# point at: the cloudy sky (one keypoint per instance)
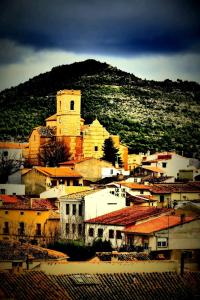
(153, 39)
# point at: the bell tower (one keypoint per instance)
(68, 112)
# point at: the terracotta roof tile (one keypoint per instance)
(52, 118)
(157, 224)
(58, 172)
(6, 199)
(174, 188)
(128, 215)
(135, 186)
(29, 204)
(153, 169)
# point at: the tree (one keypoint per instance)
(111, 153)
(54, 152)
(8, 165)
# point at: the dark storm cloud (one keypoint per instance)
(117, 27)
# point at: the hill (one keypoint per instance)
(148, 115)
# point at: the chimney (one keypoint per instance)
(182, 218)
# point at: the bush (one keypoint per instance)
(77, 251)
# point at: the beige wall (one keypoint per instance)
(184, 236)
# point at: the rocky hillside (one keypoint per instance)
(148, 115)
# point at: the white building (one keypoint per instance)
(77, 207)
(170, 162)
(12, 189)
(111, 226)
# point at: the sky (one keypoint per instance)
(153, 39)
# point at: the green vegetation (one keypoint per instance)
(148, 115)
(78, 251)
(111, 153)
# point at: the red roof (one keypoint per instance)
(23, 203)
(157, 224)
(58, 172)
(167, 188)
(135, 186)
(8, 199)
(128, 215)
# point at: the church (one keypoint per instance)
(67, 125)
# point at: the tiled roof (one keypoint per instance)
(127, 286)
(153, 169)
(157, 224)
(23, 203)
(80, 195)
(175, 188)
(135, 186)
(128, 215)
(118, 286)
(75, 161)
(6, 199)
(15, 250)
(31, 286)
(58, 172)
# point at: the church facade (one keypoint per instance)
(68, 126)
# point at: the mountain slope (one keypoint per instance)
(146, 114)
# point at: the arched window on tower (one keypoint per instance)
(72, 105)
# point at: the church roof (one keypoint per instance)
(52, 118)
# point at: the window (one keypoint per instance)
(38, 229)
(162, 198)
(6, 212)
(72, 105)
(5, 153)
(21, 230)
(67, 209)
(73, 228)
(111, 172)
(91, 232)
(141, 192)
(118, 234)
(60, 105)
(111, 234)
(21, 213)
(67, 229)
(75, 182)
(164, 164)
(128, 202)
(80, 207)
(95, 148)
(162, 242)
(2, 191)
(100, 232)
(79, 229)
(74, 209)
(6, 228)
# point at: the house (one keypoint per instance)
(40, 179)
(111, 226)
(67, 126)
(170, 162)
(12, 150)
(132, 188)
(12, 189)
(77, 207)
(169, 194)
(169, 234)
(63, 190)
(28, 219)
(134, 160)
